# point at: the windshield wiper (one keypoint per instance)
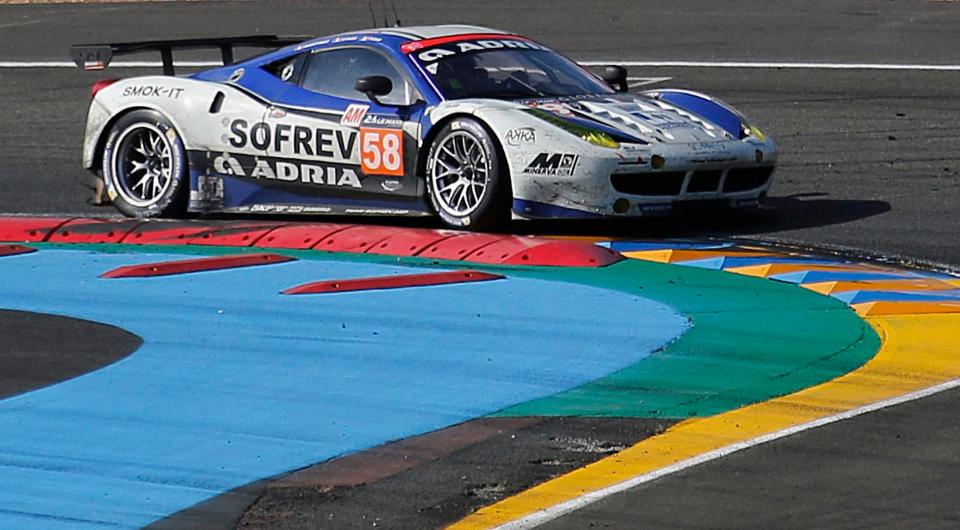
(526, 85)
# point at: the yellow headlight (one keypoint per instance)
(600, 138)
(756, 133)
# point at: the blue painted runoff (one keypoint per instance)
(859, 297)
(235, 382)
(831, 276)
(667, 244)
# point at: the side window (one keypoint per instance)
(287, 70)
(335, 72)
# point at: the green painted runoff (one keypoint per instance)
(752, 339)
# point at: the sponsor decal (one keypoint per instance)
(379, 120)
(287, 72)
(521, 136)
(375, 211)
(281, 208)
(391, 185)
(302, 209)
(707, 147)
(285, 170)
(631, 158)
(655, 208)
(560, 109)
(275, 208)
(337, 40)
(381, 151)
(209, 189)
(712, 160)
(553, 164)
(668, 125)
(430, 55)
(448, 49)
(294, 139)
(354, 114)
(155, 91)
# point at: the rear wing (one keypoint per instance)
(98, 56)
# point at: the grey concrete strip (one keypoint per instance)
(441, 491)
(419, 482)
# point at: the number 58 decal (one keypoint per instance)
(382, 151)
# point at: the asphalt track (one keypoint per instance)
(34, 355)
(869, 162)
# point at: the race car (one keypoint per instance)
(472, 124)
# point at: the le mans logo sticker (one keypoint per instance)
(381, 151)
(553, 164)
(354, 114)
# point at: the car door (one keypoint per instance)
(330, 141)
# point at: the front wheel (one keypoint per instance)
(145, 166)
(466, 182)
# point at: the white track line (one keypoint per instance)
(559, 510)
(816, 66)
(694, 64)
(118, 64)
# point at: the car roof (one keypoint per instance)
(431, 32)
(409, 33)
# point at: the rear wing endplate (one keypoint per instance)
(98, 56)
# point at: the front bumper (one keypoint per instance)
(625, 183)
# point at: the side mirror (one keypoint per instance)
(615, 76)
(374, 86)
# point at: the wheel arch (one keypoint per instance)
(171, 199)
(422, 153)
(498, 204)
(97, 160)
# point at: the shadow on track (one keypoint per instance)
(776, 214)
(808, 210)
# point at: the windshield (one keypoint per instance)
(505, 69)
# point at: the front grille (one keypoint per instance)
(744, 179)
(702, 181)
(668, 183)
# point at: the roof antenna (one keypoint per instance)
(396, 15)
(383, 5)
(372, 14)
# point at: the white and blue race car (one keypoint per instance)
(471, 124)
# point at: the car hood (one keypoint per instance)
(632, 117)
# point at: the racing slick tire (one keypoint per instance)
(145, 166)
(466, 179)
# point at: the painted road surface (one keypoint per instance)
(236, 382)
(917, 358)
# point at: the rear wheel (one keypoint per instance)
(145, 166)
(468, 187)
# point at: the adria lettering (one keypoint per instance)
(285, 170)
